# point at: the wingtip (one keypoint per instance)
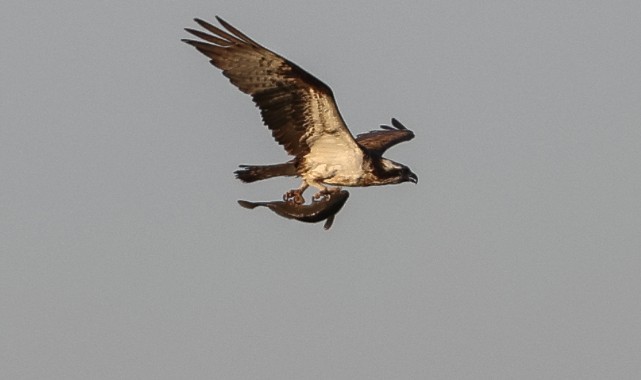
(226, 25)
(202, 23)
(190, 31)
(397, 124)
(221, 21)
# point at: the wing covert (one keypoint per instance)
(295, 105)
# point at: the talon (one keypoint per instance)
(295, 196)
(317, 197)
(326, 193)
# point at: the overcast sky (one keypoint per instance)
(123, 253)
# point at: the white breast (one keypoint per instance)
(334, 157)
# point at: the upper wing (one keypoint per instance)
(380, 140)
(297, 107)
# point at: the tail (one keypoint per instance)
(249, 173)
(251, 205)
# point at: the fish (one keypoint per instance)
(323, 209)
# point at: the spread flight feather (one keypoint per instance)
(302, 115)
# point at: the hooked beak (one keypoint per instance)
(412, 178)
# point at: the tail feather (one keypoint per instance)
(252, 173)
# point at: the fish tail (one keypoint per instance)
(249, 205)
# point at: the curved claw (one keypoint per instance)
(326, 193)
(295, 196)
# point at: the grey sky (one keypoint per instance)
(125, 255)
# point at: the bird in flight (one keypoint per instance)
(302, 115)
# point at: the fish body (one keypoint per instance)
(323, 209)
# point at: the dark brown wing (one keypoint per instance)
(297, 107)
(380, 140)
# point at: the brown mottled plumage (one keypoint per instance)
(302, 115)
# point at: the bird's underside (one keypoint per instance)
(375, 141)
(302, 115)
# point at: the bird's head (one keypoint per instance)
(409, 175)
(393, 172)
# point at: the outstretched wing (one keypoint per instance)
(380, 140)
(297, 107)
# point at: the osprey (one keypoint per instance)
(302, 115)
